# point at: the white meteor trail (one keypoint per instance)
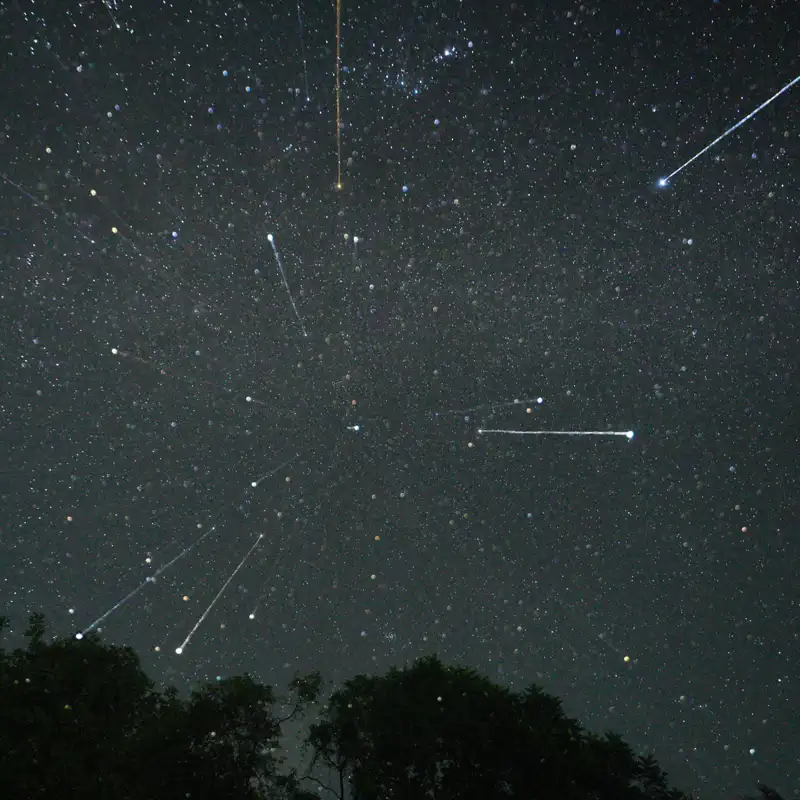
(283, 548)
(271, 240)
(626, 434)
(148, 580)
(534, 401)
(303, 50)
(665, 181)
(273, 471)
(219, 594)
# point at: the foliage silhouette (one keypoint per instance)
(80, 719)
(437, 731)
(766, 794)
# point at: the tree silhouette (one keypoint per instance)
(766, 794)
(66, 706)
(437, 731)
(80, 719)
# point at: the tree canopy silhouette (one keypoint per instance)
(80, 719)
(766, 794)
(443, 732)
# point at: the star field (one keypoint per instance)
(281, 425)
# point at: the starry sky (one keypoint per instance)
(280, 439)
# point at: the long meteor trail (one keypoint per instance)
(665, 181)
(626, 434)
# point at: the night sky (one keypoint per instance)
(164, 415)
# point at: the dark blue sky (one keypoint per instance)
(499, 166)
